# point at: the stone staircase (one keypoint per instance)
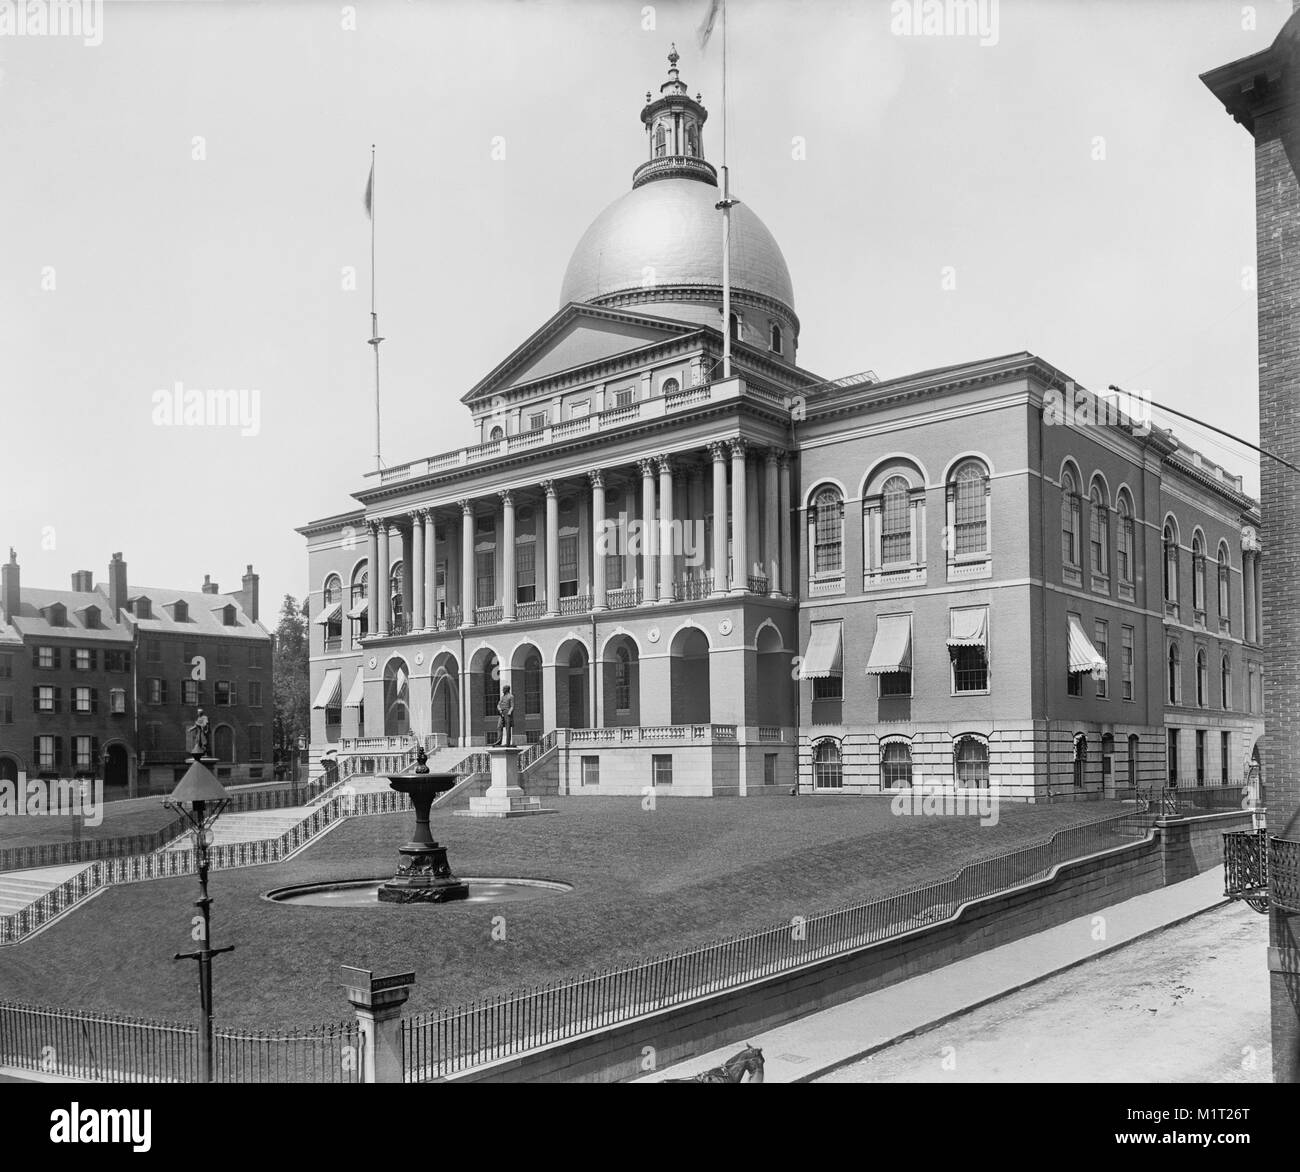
(252, 827)
(19, 889)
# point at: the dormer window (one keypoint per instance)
(56, 615)
(142, 608)
(90, 618)
(228, 618)
(179, 611)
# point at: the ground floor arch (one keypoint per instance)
(444, 698)
(689, 677)
(8, 768)
(620, 681)
(116, 766)
(482, 694)
(572, 685)
(526, 682)
(397, 698)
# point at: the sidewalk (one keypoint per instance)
(810, 1046)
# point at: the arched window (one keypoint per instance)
(896, 522)
(1198, 575)
(776, 338)
(491, 687)
(223, 744)
(622, 680)
(970, 490)
(1125, 542)
(359, 611)
(1099, 531)
(333, 590)
(1202, 678)
(661, 141)
(1070, 510)
(896, 765)
(1133, 758)
(533, 685)
(828, 769)
(971, 763)
(671, 386)
(1225, 584)
(735, 326)
(1107, 759)
(1225, 681)
(1175, 674)
(828, 532)
(333, 596)
(1171, 565)
(395, 593)
(1080, 759)
(692, 139)
(496, 433)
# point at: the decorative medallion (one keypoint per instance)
(653, 634)
(724, 627)
(419, 658)
(373, 663)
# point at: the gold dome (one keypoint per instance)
(668, 233)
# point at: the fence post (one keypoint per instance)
(378, 1004)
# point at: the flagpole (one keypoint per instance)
(725, 205)
(375, 339)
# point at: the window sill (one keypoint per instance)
(819, 587)
(893, 576)
(1100, 585)
(961, 571)
(1072, 576)
(973, 692)
(1127, 592)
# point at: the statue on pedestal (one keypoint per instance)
(200, 736)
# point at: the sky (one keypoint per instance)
(183, 203)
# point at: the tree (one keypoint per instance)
(292, 714)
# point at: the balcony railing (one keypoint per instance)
(487, 614)
(575, 604)
(1284, 874)
(530, 610)
(453, 618)
(654, 734)
(757, 584)
(1245, 867)
(694, 588)
(623, 598)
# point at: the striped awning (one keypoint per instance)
(329, 614)
(825, 654)
(360, 609)
(357, 692)
(968, 628)
(1083, 655)
(892, 650)
(330, 689)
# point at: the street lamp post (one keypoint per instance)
(201, 798)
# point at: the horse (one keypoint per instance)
(747, 1066)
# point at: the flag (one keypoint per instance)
(370, 191)
(705, 30)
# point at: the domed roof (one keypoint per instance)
(669, 232)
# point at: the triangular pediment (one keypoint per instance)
(577, 336)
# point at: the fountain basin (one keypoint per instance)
(365, 892)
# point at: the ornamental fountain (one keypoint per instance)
(423, 875)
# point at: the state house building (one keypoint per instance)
(733, 585)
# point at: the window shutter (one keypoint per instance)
(94, 752)
(234, 693)
(94, 659)
(36, 656)
(58, 658)
(36, 753)
(58, 752)
(94, 701)
(58, 700)
(162, 691)
(36, 698)
(126, 661)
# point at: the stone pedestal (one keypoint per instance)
(505, 797)
(378, 1004)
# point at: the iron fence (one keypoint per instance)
(448, 1041)
(56, 854)
(1284, 874)
(1245, 867)
(69, 1043)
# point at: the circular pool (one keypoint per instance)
(365, 892)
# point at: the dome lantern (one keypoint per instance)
(674, 125)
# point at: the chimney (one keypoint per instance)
(209, 586)
(10, 590)
(82, 581)
(116, 586)
(248, 595)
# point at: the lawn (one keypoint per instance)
(645, 883)
(131, 816)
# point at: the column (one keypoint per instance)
(784, 523)
(1248, 596)
(1259, 596)
(452, 546)
(753, 536)
(379, 580)
(430, 569)
(667, 544)
(739, 520)
(771, 554)
(466, 566)
(694, 521)
(649, 531)
(552, 548)
(416, 570)
(718, 451)
(599, 546)
(372, 567)
(508, 591)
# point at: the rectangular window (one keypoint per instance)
(537, 421)
(1126, 666)
(221, 693)
(117, 701)
(526, 571)
(485, 578)
(188, 652)
(254, 742)
(257, 657)
(82, 752)
(189, 692)
(153, 651)
(223, 654)
(157, 691)
(81, 700)
(46, 752)
(828, 688)
(117, 661)
(6, 665)
(613, 571)
(46, 659)
(661, 765)
(591, 771)
(625, 398)
(1225, 741)
(1101, 641)
(1074, 683)
(47, 699)
(83, 659)
(1171, 756)
(1200, 756)
(769, 768)
(569, 566)
(970, 669)
(6, 709)
(896, 683)
(254, 694)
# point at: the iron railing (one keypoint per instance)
(575, 604)
(1245, 867)
(483, 615)
(694, 588)
(1284, 874)
(69, 1043)
(530, 610)
(448, 1041)
(757, 584)
(55, 854)
(623, 598)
